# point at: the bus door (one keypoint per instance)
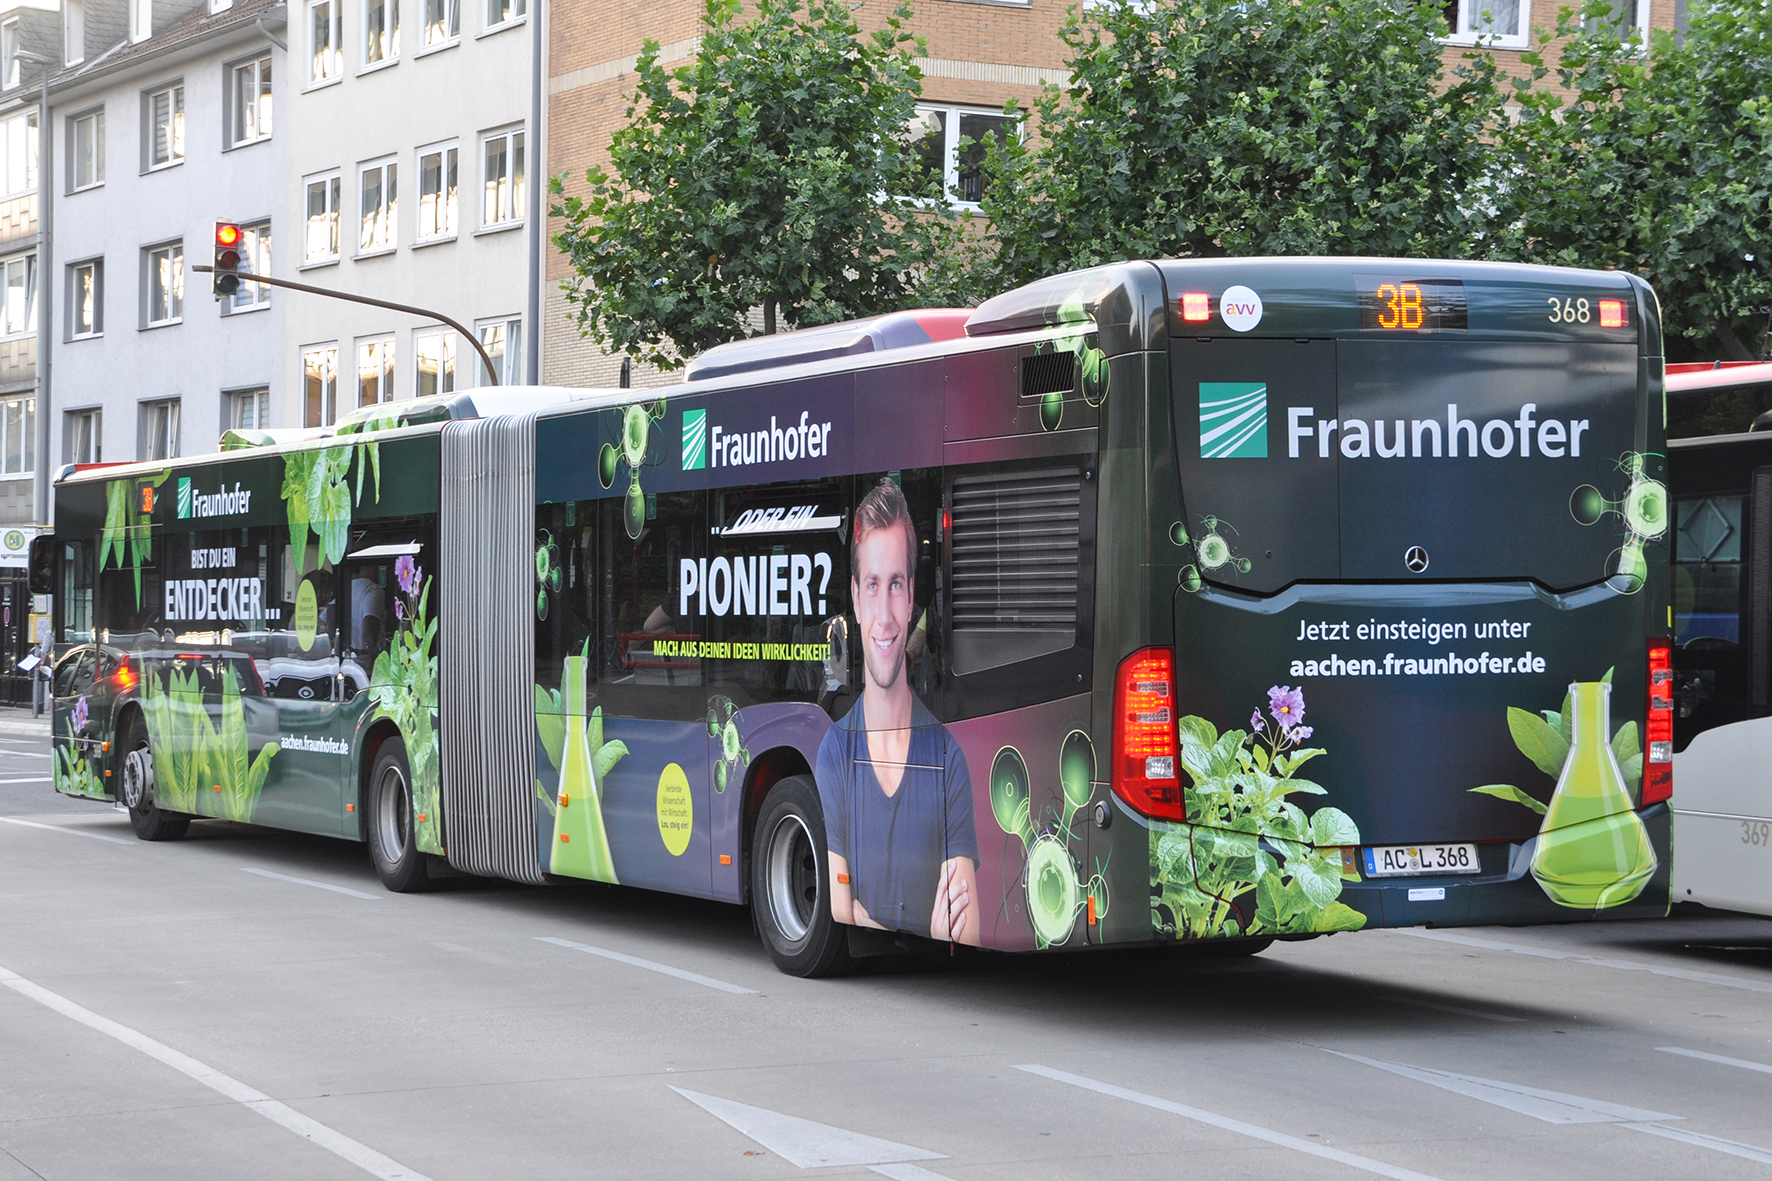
(79, 751)
(302, 677)
(384, 585)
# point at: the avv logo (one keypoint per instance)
(184, 497)
(695, 439)
(1233, 420)
(1240, 307)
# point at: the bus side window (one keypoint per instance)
(75, 600)
(566, 589)
(1709, 592)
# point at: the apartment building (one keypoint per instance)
(411, 181)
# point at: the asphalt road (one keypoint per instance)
(248, 1004)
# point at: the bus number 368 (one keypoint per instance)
(1568, 311)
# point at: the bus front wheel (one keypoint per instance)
(393, 839)
(790, 883)
(151, 823)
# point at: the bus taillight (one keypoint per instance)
(1196, 307)
(1658, 766)
(1145, 773)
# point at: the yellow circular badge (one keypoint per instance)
(676, 810)
(307, 616)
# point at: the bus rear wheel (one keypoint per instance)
(151, 823)
(790, 883)
(393, 838)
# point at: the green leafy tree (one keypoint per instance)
(754, 176)
(1204, 127)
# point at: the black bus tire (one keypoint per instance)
(136, 787)
(790, 884)
(392, 835)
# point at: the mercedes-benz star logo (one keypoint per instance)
(1415, 559)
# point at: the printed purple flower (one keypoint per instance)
(399, 609)
(407, 572)
(1299, 733)
(1286, 704)
(81, 714)
(1255, 720)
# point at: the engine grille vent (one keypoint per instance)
(1048, 373)
(1015, 565)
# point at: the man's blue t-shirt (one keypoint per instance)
(895, 844)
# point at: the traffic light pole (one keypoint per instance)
(248, 277)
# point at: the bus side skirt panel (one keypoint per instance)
(487, 649)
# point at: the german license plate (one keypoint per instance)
(1390, 860)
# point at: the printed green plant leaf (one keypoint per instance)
(1507, 791)
(1333, 827)
(1337, 916)
(1547, 749)
(1627, 748)
(550, 724)
(547, 801)
(1320, 881)
(1198, 732)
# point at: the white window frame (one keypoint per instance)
(496, 334)
(10, 75)
(85, 425)
(950, 148)
(93, 118)
(1464, 34)
(18, 445)
(447, 224)
(443, 347)
(320, 361)
(217, 6)
(255, 257)
(326, 65)
(385, 237)
(141, 20)
(449, 32)
(1639, 26)
(174, 93)
(19, 143)
(96, 266)
(261, 109)
(257, 397)
(26, 320)
(73, 32)
(391, 56)
(515, 140)
(494, 24)
(377, 355)
(175, 294)
(331, 185)
(151, 416)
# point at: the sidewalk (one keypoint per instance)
(17, 721)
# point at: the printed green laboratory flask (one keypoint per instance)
(1593, 851)
(581, 846)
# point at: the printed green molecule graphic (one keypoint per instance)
(547, 572)
(1213, 553)
(636, 444)
(1056, 890)
(1643, 510)
(732, 756)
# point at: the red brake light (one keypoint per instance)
(1196, 307)
(1613, 315)
(1146, 775)
(1658, 761)
(124, 676)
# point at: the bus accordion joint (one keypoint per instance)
(1658, 764)
(1145, 775)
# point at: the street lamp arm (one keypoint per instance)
(427, 313)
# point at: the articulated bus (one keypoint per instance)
(1720, 478)
(1230, 600)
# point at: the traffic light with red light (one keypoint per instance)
(226, 279)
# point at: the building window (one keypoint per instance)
(73, 32)
(320, 386)
(321, 240)
(18, 436)
(249, 101)
(381, 31)
(164, 282)
(1627, 18)
(86, 149)
(934, 138)
(9, 47)
(248, 410)
(85, 436)
(18, 279)
(504, 179)
(164, 110)
(1502, 23)
(502, 12)
(503, 341)
(325, 54)
(379, 186)
(437, 192)
(141, 20)
(158, 437)
(442, 21)
(375, 371)
(18, 139)
(86, 299)
(255, 257)
(434, 363)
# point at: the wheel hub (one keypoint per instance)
(792, 876)
(138, 779)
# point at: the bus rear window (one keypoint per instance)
(1707, 570)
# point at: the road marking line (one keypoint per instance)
(650, 965)
(1596, 961)
(806, 1143)
(1743, 1063)
(1700, 1140)
(907, 1172)
(1462, 1012)
(311, 1130)
(1553, 1107)
(283, 877)
(30, 779)
(71, 831)
(1228, 1124)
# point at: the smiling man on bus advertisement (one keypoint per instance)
(896, 793)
